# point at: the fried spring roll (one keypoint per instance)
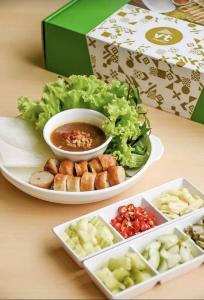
(42, 179)
(60, 183)
(73, 183)
(52, 166)
(81, 167)
(107, 160)
(95, 165)
(116, 175)
(67, 167)
(101, 181)
(88, 181)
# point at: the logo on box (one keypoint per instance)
(164, 36)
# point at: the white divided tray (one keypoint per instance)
(138, 245)
(145, 199)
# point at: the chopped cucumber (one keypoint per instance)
(154, 259)
(107, 277)
(185, 254)
(163, 266)
(145, 253)
(169, 240)
(173, 260)
(121, 273)
(116, 263)
(141, 276)
(136, 262)
(174, 249)
(88, 235)
(128, 282)
(154, 245)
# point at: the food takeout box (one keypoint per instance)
(114, 39)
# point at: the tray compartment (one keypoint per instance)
(152, 195)
(111, 212)
(141, 243)
(95, 263)
(58, 230)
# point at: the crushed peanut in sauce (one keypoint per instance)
(78, 137)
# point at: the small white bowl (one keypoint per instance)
(160, 6)
(75, 115)
(180, 4)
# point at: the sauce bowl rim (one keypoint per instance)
(47, 135)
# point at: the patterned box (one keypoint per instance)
(164, 56)
(114, 39)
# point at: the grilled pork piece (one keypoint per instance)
(95, 165)
(101, 181)
(67, 167)
(42, 179)
(60, 182)
(87, 181)
(116, 175)
(107, 160)
(52, 166)
(81, 167)
(73, 183)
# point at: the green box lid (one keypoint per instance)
(83, 15)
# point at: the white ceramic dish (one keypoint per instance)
(106, 214)
(179, 183)
(160, 6)
(145, 199)
(75, 115)
(95, 263)
(137, 245)
(19, 178)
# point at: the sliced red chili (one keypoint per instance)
(144, 226)
(122, 209)
(131, 220)
(131, 207)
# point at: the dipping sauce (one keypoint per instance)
(181, 2)
(78, 137)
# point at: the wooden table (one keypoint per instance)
(32, 263)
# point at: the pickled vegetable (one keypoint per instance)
(196, 232)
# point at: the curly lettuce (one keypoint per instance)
(126, 122)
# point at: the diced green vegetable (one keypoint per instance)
(87, 236)
(125, 271)
(171, 251)
(168, 240)
(108, 278)
(121, 273)
(141, 276)
(163, 266)
(136, 261)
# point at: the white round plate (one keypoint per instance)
(19, 178)
(160, 6)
